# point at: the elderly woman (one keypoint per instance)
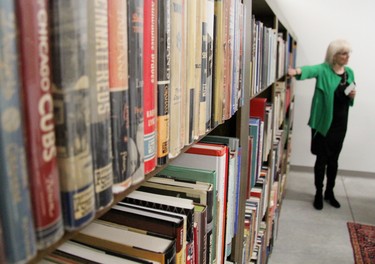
(329, 114)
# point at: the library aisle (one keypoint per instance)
(309, 236)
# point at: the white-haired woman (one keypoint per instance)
(329, 114)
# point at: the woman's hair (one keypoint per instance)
(336, 46)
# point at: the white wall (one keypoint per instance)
(315, 24)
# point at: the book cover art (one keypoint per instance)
(119, 93)
(163, 80)
(149, 98)
(135, 18)
(101, 145)
(71, 91)
(33, 21)
(15, 202)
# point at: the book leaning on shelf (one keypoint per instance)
(152, 222)
(15, 205)
(172, 204)
(73, 252)
(101, 141)
(33, 26)
(122, 240)
(71, 95)
(192, 175)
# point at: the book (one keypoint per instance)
(120, 239)
(218, 62)
(200, 218)
(179, 257)
(119, 93)
(193, 175)
(33, 21)
(101, 141)
(163, 80)
(73, 252)
(198, 67)
(211, 157)
(210, 57)
(191, 7)
(2, 245)
(149, 72)
(350, 88)
(154, 223)
(135, 18)
(15, 203)
(233, 144)
(71, 91)
(176, 77)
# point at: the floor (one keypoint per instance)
(309, 236)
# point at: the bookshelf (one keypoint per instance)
(255, 85)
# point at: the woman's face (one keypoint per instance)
(342, 58)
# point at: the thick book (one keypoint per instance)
(33, 21)
(149, 72)
(192, 175)
(101, 141)
(135, 61)
(176, 77)
(15, 202)
(163, 80)
(120, 239)
(71, 95)
(74, 252)
(211, 157)
(154, 223)
(180, 256)
(233, 158)
(119, 93)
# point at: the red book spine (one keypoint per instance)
(38, 105)
(149, 71)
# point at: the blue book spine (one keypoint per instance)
(71, 94)
(15, 203)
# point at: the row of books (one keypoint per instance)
(93, 107)
(187, 213)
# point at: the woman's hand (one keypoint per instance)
(293, 72)
(352, 94)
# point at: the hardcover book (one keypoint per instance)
(154, 223)
(192, 175)
(119, 93)
(33, 21)
(120, 239)
(149, 98)
(135, 10)
(163, 80)
(71, 95)
(101, 141)
(15, 203)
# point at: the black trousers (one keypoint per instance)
(327, 150)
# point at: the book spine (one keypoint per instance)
(210, 52)
(149, 100)
(135, 59)
(101, 145)
(163, 80)
(33, 21)
(72, 110)
(176, 77)
(15, 202)
(2, 245)
(119, 93)
(203, 83)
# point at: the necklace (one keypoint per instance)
(343, 79)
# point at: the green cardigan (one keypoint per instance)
(327, 80)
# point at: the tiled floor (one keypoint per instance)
(309, 236)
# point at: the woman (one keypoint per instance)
(329, 114)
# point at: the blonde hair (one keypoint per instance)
(336, 46)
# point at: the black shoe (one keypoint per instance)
(332, 200)
(318, 201)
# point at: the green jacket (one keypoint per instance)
(327, 80)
